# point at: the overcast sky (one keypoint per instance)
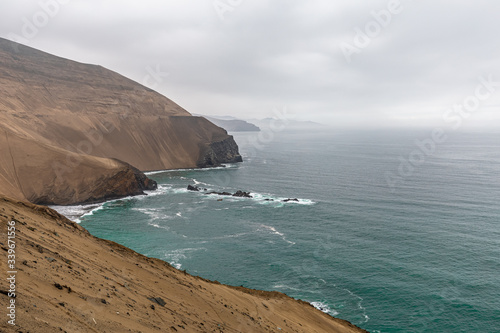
(343, 62)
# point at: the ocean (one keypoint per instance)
(392, 231)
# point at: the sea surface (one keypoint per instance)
(389, 236)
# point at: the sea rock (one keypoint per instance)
(238, 193)
(242, 194)
(193, 188)
(219, 193)
(294, 199)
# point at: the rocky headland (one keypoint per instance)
(67, 127)
(76, 133)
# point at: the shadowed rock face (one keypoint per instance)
(76, 113)
(224, 151)
(124, 181)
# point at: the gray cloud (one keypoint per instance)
(267, 54)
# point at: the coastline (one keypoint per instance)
(76, 212)
(63, 209)
(77, 281)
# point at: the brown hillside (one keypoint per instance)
(65, 106)
(70, 281)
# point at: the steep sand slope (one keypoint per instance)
(89, 109)
(58, 111)
(43, 174)
(70, 281)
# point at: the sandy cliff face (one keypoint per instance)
(72, 108)
(70, 281)
(44, 174)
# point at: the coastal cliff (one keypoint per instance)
(48, 175)
(218, 152)
(73, 133)
(234, 125)
(70, 281)
(92, 125)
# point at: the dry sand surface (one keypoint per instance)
(36, 172)
(82, 117)
(70, 281)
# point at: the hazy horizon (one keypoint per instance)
(384, 64)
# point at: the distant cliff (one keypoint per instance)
(234, 125)
(70, 128)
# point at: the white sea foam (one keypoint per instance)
(231, 235)
(153, 213)
(285, 287)
(157, 225)
(180, 190)
(176, 256)
(264, 199)
(360, 306)
(222, 167)
(162, 189)
(75, 213)
(279, 201)
(197, 182)
(324, 308)
(273, 230)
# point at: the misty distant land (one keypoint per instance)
(233, 124)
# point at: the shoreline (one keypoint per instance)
(128, 290)
(90, 209)
(100, 204)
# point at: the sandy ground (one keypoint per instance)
(81, 117)
(70, 281)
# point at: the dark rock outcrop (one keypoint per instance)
(219, 193)
(238, 193)
(193, 188)
(127, 181)
(158, 300)
(217, 152)
(242, 194)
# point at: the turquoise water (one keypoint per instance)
(422, 256)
